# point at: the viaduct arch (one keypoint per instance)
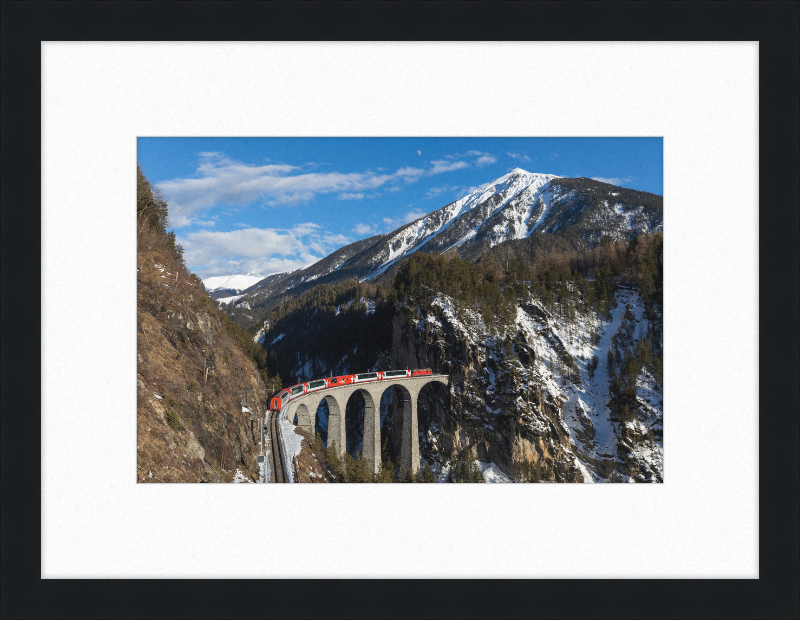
(305, 408)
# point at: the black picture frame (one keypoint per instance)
(774, 24)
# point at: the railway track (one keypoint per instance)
(277, 460)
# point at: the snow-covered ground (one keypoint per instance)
(492, 473)
(292, 442)
(239, 477)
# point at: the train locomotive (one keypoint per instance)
(295, 391)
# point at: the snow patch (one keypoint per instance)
(239, 477)
(228, 300)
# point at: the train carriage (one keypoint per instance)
(367, 376)
(396, 374)
(278, 400)
(313, 386)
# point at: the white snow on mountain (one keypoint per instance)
(517, 188)
(236, 282)
(228, 300)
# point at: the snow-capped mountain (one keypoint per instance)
(519, 205)
(232, 284)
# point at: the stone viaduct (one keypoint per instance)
(305, 408)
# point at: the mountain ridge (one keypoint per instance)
(516, 206)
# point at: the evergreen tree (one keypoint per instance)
(591, 367)
(335, 462)
(151, 208)
(386, 473)
(428, 475)
(626, 415)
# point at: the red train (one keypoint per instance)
(284, 396)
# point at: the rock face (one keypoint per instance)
(529, 399)
(198, 394)
(496, 407)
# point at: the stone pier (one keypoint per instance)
(409, 451)
(336, 429)
(371, 446)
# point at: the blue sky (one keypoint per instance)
(273, 204)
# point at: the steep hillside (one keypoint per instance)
(198, 392)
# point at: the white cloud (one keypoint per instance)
(467, 154)
(263, 250)
(220, 180)
(419, 152)
(410, 174)
(363, 229)
(395, 188)
(440, 165)
(613, 180)
(483, 159)
(437, 191)
(205, 223)
(518, 156)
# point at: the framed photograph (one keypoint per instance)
(409, 309)
(91, 90)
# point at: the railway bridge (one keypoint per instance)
(336, 397)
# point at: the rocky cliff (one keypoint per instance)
(531, 399)
(498, 405)
(198, 394)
